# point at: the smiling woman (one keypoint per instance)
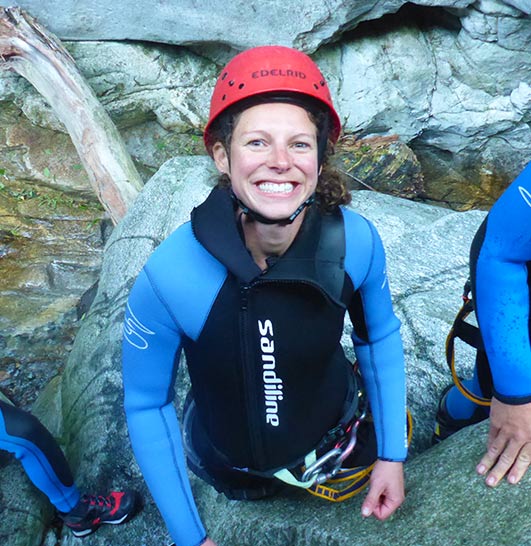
(280, 261)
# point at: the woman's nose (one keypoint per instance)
(279, 157)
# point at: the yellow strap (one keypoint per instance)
(409, 418)
(356, 481)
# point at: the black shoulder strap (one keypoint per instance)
(467, 332)
(330, 256)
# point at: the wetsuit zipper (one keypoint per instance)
(249, 379)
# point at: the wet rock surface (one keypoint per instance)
(51, 245)
(383, 164)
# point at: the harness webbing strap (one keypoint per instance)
(465, 331)
(470, 334)
(352, 480)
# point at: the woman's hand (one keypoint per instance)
(509, 443)
(386, 490)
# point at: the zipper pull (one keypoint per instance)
(244, 291)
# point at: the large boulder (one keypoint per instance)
(427, 251)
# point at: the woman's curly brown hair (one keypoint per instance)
(331, 190)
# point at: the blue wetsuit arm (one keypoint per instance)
(151, 348)
(376, 336)
(502, 291)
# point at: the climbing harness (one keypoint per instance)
(471, 335)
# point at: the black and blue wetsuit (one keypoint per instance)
(269, 377)
(24, 435)
(500, 272)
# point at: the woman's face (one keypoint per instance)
(273, 164)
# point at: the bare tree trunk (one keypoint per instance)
(37, 55)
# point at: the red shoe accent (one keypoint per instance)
(117, 496)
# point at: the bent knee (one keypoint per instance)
(21, 424)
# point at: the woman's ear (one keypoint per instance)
(221, 158)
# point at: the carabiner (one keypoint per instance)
(313, 471)
(338, 455)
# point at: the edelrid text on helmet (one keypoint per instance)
(269, 69)
(278, 72)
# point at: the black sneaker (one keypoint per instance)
(93, 510)
(445, 425)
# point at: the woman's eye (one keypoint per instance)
(256, 142)
(302, 145)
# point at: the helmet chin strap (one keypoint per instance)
(257, 217)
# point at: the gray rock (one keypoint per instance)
(443, 95)
(92, 393)
(427, 251)
(522, 5)
(24, 511)
(446, 504)
(187, 22)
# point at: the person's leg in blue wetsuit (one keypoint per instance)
(46, 466)
(24, 435)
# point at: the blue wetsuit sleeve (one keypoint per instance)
(376, 336)
(502, 291)
(151, 348)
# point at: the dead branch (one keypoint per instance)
(37, 55)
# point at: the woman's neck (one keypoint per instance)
(265, 240)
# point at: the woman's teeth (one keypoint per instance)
(270, 187)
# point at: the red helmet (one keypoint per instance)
(268, 69)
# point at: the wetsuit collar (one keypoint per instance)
(316, 256)
(214, 226)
